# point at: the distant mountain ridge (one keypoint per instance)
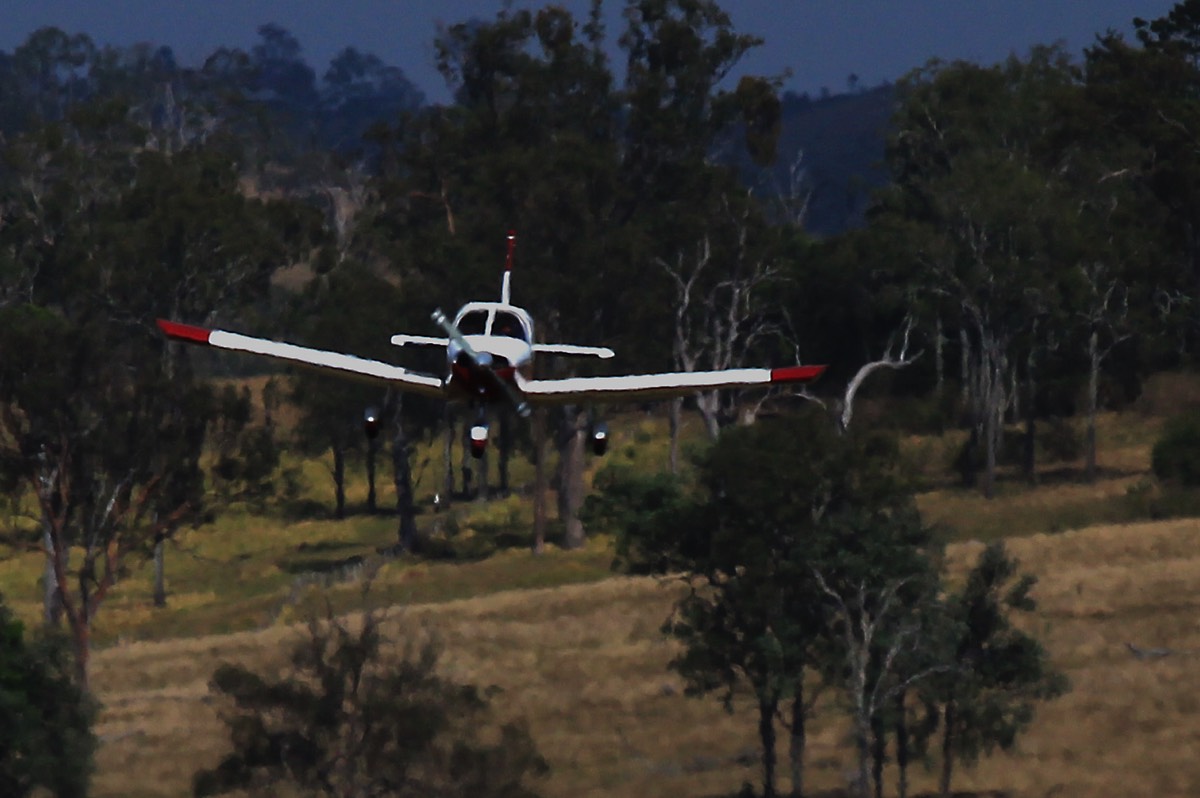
(840, 142)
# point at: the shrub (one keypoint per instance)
(46, 735)
(1176, 455)
(351, 720)
(474, 533)
(639, 510)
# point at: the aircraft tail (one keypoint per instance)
(506, 285)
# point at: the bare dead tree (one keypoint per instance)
(115, 523)
(345, 201)
(794, 193)
(877, 630)
(1105, 315)
(892, 358)
(718, 320)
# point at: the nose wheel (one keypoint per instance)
(478, 436)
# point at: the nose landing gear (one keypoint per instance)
(479, 439)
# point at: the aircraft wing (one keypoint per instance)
(658, 386)
(571, 349)
(413, 381)
(419, 340)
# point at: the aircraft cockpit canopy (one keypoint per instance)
(509, 325)
(501, 320)
(473, 322)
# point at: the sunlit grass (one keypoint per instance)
(579, 652)
(587, 666)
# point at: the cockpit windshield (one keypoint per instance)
(473, 323)
(508, 325)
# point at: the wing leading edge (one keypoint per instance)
(659, 386)
(416, 382)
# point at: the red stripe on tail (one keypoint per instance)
(796, 373)
(184, 332)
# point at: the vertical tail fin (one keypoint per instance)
(508, 262)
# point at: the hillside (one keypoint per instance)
(579, 653)
(838, 143)
(587, 666)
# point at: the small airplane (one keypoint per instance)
(490, 349)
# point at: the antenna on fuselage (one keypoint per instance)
(508, 261)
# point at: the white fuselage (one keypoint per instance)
(502, 335)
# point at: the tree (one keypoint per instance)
(715, 253)
(882, 621)
(345, 309)
(973, 159)
(1115, 259)
(777, 502)
(1174, 456)
(1145, 98)
(110, 469)
(351, 720)
(998, 672)
(722, 291)
(49, 77)
(531, 145)
(358, 90)
(99, 245)
(46, 720)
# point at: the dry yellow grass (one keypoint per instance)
(1060, 501)
(586, 665)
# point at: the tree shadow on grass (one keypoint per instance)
(321, 557)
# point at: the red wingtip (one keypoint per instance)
(796, 373)
(184, 332)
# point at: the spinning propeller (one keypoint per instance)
(481, 364)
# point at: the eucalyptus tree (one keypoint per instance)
(997, 671)
(787, 513)
(530, 146)
(107, 444)
(1144, 95)
(974, 156)
(104, 422)
(713, 257)
(349, 308)
(358, 91)
(45, 78)
(1110, 286)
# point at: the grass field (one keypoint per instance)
(586, 665)
(578, 651)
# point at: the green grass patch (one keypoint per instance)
(257, 565)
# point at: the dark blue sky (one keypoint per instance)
(821, 41)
